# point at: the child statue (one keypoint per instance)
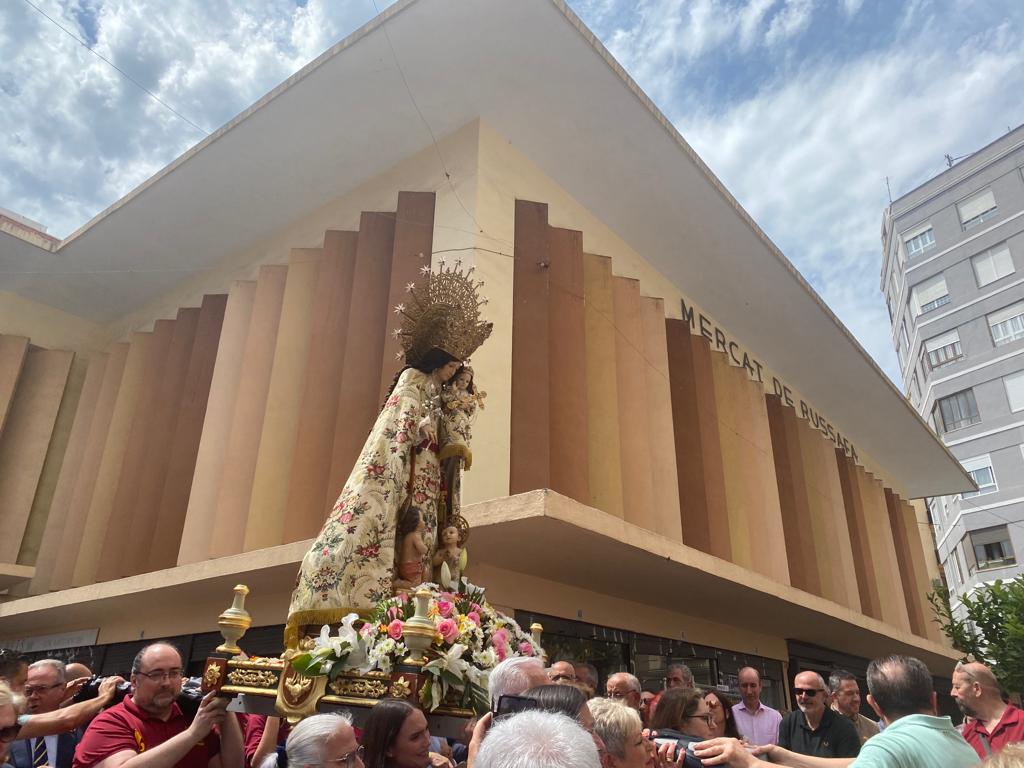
(451, 555)
(411, 549)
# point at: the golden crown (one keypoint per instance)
(443, 311)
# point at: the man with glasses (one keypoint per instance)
(624, 687)
(815, 729)
(148, 729)
(44, 691)
(562, 673)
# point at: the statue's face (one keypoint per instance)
(463, 380)
(451, 535)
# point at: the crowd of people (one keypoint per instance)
(551, 717)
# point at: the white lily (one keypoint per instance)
(348, 634)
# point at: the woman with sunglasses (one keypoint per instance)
(395, 735)
(320, 740)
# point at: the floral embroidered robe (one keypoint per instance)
(349, 566)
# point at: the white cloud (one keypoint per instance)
(793, 19)
(851, 7)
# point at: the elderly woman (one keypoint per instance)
(620, 729)
(321, 740)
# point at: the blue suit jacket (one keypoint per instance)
(21, 751)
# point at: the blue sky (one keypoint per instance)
(801, 107)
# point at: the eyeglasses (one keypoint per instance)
(9, 733)
(707, 717)
(31, 690)
(159, 675)
(557, 678)
(350, 759)
(620, 694)
(808, 692)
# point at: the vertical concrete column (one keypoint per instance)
(368, 320)
(140, 439)
(114, 449)
(631, 381)
(857, 525)
(604, 447)
(414, 241)
(166, 409)
(530, 460)
(703, 514)
(910, 560)
(249, 408)
(26, 437)
(111, 367)
(187, 432)
(887, 572)
(307, 487)
(567, 366)
(227, 372)
(13, 350)
(798, 529)
(664, 477)
(922, 550)
(266, 521)
(58, 512)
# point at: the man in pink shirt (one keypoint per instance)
(756, 722)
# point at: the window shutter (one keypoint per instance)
(938, 342)
(973, 207)
(1015, 391)
(1006, 313)
(930, 290)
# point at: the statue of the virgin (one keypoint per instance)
(351, 564)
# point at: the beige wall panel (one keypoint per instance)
(752, 491)
(62, 463)
(414, 239)
(805, 552)
(140, 440)
(167, 408)
(910, 560)
(702, 509)
(634, 429)
(188, 429)
(265, 524)
(856, 525)
(77, 481)
(310, 470)
(25, 440)
(567, 366)
(227, 372)
(603, 438)
(839, 579)
(887, 573)
(368, 321)
(12, 357)
(664, 476)
(112, 460)
(529, 432)
(922, 547)
(247, 416)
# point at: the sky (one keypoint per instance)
(802, 108)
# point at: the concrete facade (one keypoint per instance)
(962, 357)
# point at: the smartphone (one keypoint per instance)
(509, 705)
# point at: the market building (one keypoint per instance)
(684, 454)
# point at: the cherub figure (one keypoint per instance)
(460, 394)
(411, 549)
(451, 555)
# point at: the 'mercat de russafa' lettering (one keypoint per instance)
(720, 341)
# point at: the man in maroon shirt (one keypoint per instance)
(993, 723)
(148, 730)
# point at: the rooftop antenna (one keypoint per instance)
(888, 189)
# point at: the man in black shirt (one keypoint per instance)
(815, 729)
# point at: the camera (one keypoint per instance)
(91, 689)
(188, 700)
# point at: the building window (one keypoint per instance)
(918, 241)
(988, 548)
(992, 265)
(943, 350)
(930, 294)
(1007, 324)
(980, 470)
(1015, 390)
(976, 209)
(958, 410)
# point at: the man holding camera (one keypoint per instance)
(148, 729)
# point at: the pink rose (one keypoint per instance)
(474, 617)
(345, 517)
(367, 629)
(525, 648)
(420, 497)
(393, 612)
(500, 651)
(395, 629)
(500, 637)
(402, 437)
(475, 608)
(449, 630)
(444, 608)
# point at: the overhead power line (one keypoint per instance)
(103, 58)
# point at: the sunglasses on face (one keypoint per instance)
(809, 692)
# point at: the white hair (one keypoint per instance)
(631, 680)
(509, 678)
(54, 664)
(305, 745)
(536, 738)
(615, 723)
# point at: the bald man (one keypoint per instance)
(814, 729)
(993, 723)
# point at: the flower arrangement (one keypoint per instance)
(470, 638)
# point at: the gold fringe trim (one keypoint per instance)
(460, 450)
(320, 616)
